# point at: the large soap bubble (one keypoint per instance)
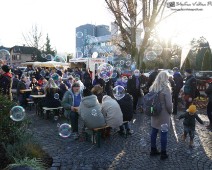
(17, 113)
(79, 34)
(42, 73)
(65, 130)
(4, 54)
(49, 57)
(128, 63)
(151, 55)
(56, 96)
(59, 59)
(118, 92)
(105, 71)
(157, 49)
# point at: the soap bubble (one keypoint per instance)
(49, 57)
(43, 55)
(122, 62)
(118, 92)
(65, 130)
(59, 59)
(79, 34)
(94, 112)
(4, 54)
(151, 55)
(164, 127)
(128, 56)
(55, 76)
(17, 113)
(128, 63)
(42, 73)
(105, 71)
(157, 49)
(143, 142)
(56, 118)
(56, 96)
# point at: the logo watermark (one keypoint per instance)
(188, 6)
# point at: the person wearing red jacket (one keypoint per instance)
(6, 81)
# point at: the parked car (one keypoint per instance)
(204, 76)
(169, 71)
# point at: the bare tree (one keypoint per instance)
(34, 38)
(130, 15)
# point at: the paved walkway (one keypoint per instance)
(125, 153)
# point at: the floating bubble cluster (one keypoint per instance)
(118, 92)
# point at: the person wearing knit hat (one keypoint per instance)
(5, 68)
(6, 81)
(189, 123)
(190, 87)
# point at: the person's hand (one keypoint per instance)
(72, 108)
(190, 99)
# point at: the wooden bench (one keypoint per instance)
(51, 110)
(99, 134)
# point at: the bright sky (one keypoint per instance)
(59, 18)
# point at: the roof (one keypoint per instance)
(6, 48)
(24, 49)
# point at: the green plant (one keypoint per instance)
(34, 163)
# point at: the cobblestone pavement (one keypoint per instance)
(125, 153)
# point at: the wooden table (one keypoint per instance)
(26, 90)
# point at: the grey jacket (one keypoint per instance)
(67, 102)
(167, 106)
(112, 112)
(90, 112)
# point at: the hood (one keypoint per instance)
(90, 101)
(8, 75)
(106, 97)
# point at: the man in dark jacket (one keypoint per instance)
(178, 80)
(152, 77)
(6, 81)
(133, 88)
(189, 87)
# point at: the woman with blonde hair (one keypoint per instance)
(162, 85)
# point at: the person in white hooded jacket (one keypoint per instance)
(90, 111)
(112, 112)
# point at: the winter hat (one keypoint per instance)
(75, 84)
(5, 68)
(192, 109)
(188, 71)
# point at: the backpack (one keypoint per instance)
(151, 104)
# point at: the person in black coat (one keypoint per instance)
(6, 82)
(178, 80)
(133, 88)
(126, 105)
(152, 77)
(15, 82)
(189, 87)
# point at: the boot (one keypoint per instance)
(163, 155)
(191, 143)
(183, 137)
(154, 152)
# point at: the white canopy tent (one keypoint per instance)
(46, 64)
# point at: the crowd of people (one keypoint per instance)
(94, 102)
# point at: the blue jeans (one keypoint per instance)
(74, 121)
(163, 139)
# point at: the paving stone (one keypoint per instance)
(124, 153)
